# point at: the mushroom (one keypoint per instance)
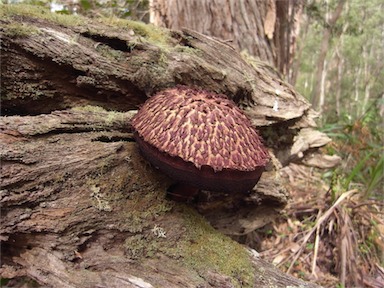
(200, 139)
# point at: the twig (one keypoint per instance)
(343, 268)
(368, 203)
(318, 224)
(316, 248)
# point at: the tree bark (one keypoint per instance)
(80, 207)
(265, 29)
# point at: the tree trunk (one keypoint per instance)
(265, 29)
(80, 207)
(340, 66)
(322, 87)
(320, 66)
(367, 77)
(354, 106)
(296, 58)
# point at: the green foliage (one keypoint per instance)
(355, 51)
(359, 143)
(3, 281)
(353, 89)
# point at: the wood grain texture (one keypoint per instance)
(238, 22)
(267, 29)
(80, 207)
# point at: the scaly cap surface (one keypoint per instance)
(202, 128)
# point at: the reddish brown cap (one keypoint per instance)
(200, 138)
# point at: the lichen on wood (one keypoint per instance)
(79, 204)
(99, 199)
(117, 64)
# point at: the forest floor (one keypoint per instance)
(333, 239)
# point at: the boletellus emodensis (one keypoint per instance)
(200, 139)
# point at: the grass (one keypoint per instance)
(360, 144)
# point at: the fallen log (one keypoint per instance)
(80, 207)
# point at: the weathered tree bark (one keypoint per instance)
(265, 29)
(80, 207)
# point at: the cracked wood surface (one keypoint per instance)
(71, 66)
(80, 205)
(78, 202)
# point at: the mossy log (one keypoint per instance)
(80, 207)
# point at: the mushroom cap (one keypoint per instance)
(200, 138)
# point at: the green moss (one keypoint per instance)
(144, 208)
(20, 30)
(257, 63)
(10, 10)
(107, 52)
(147, 246)
(188, 50)
(191, 241)
(149, 32)
(33, 91)
(137, 247)
(107, 184)
(139, 197)
(206, 249)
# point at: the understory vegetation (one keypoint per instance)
(333, 229)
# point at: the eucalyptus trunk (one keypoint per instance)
(324, 47)
(265, 29)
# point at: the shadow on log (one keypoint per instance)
(80, 207)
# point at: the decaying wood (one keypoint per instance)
(80, 207)
(118, 69)
(119, 72)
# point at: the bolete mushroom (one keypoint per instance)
(201, 139)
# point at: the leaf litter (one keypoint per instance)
(334, 241)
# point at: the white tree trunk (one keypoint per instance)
(331, 20)
(340, 65)
(322, 90)
(357, 94)
(367, 76)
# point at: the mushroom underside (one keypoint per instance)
(205, 178)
